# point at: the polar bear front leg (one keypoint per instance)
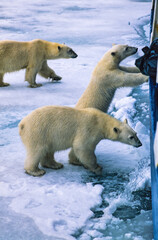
(135, 79)
(47, 72)
(30, 76)
(125, 79)
(49, 162)
(31, 164)
(129, 69)
(88, 159)
(2, 84)
(73, 159)
(54, 76)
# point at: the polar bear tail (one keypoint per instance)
(21, 128)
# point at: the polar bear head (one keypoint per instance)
(120, 52)
(57, 50)
(125, 134)
(66, 52)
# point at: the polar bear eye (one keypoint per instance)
(131, 137)
(113, 53)
(127, 48)
(70, 51)
(116, 130)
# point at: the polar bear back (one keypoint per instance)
(13, 55)
(55, 126)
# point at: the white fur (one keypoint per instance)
(52, 128)
(107, 76)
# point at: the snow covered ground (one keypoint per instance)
(72, 203)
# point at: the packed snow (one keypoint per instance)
(73, 203)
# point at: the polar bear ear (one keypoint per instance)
(113, 44)
(59, 48)
(113, 53)
(116, 130)
(125, 121)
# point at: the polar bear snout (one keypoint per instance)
(139, 144)
(131, 50)
(73, 54)
(135, 50)
(134, 141)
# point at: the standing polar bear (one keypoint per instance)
(108, 75)
(33, 56)
(53, 128)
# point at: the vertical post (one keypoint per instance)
(153, 90)
(154, 20)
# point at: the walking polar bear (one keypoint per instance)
(52, 128)
(33, 56)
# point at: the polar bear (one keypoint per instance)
(107, 76)
(33, 56)
(52, 128)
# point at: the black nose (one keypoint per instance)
(139, 145)
(75, 56)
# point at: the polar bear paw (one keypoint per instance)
(37, 173)
(54, 165)
(146, 79)
(56, 78)
(97, 170)
(75, 161)
(35, 85)
(4, 84)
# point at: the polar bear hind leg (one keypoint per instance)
(30, 76)
(49, 162)
(73, 159)
(2, 84)
(31, 164)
